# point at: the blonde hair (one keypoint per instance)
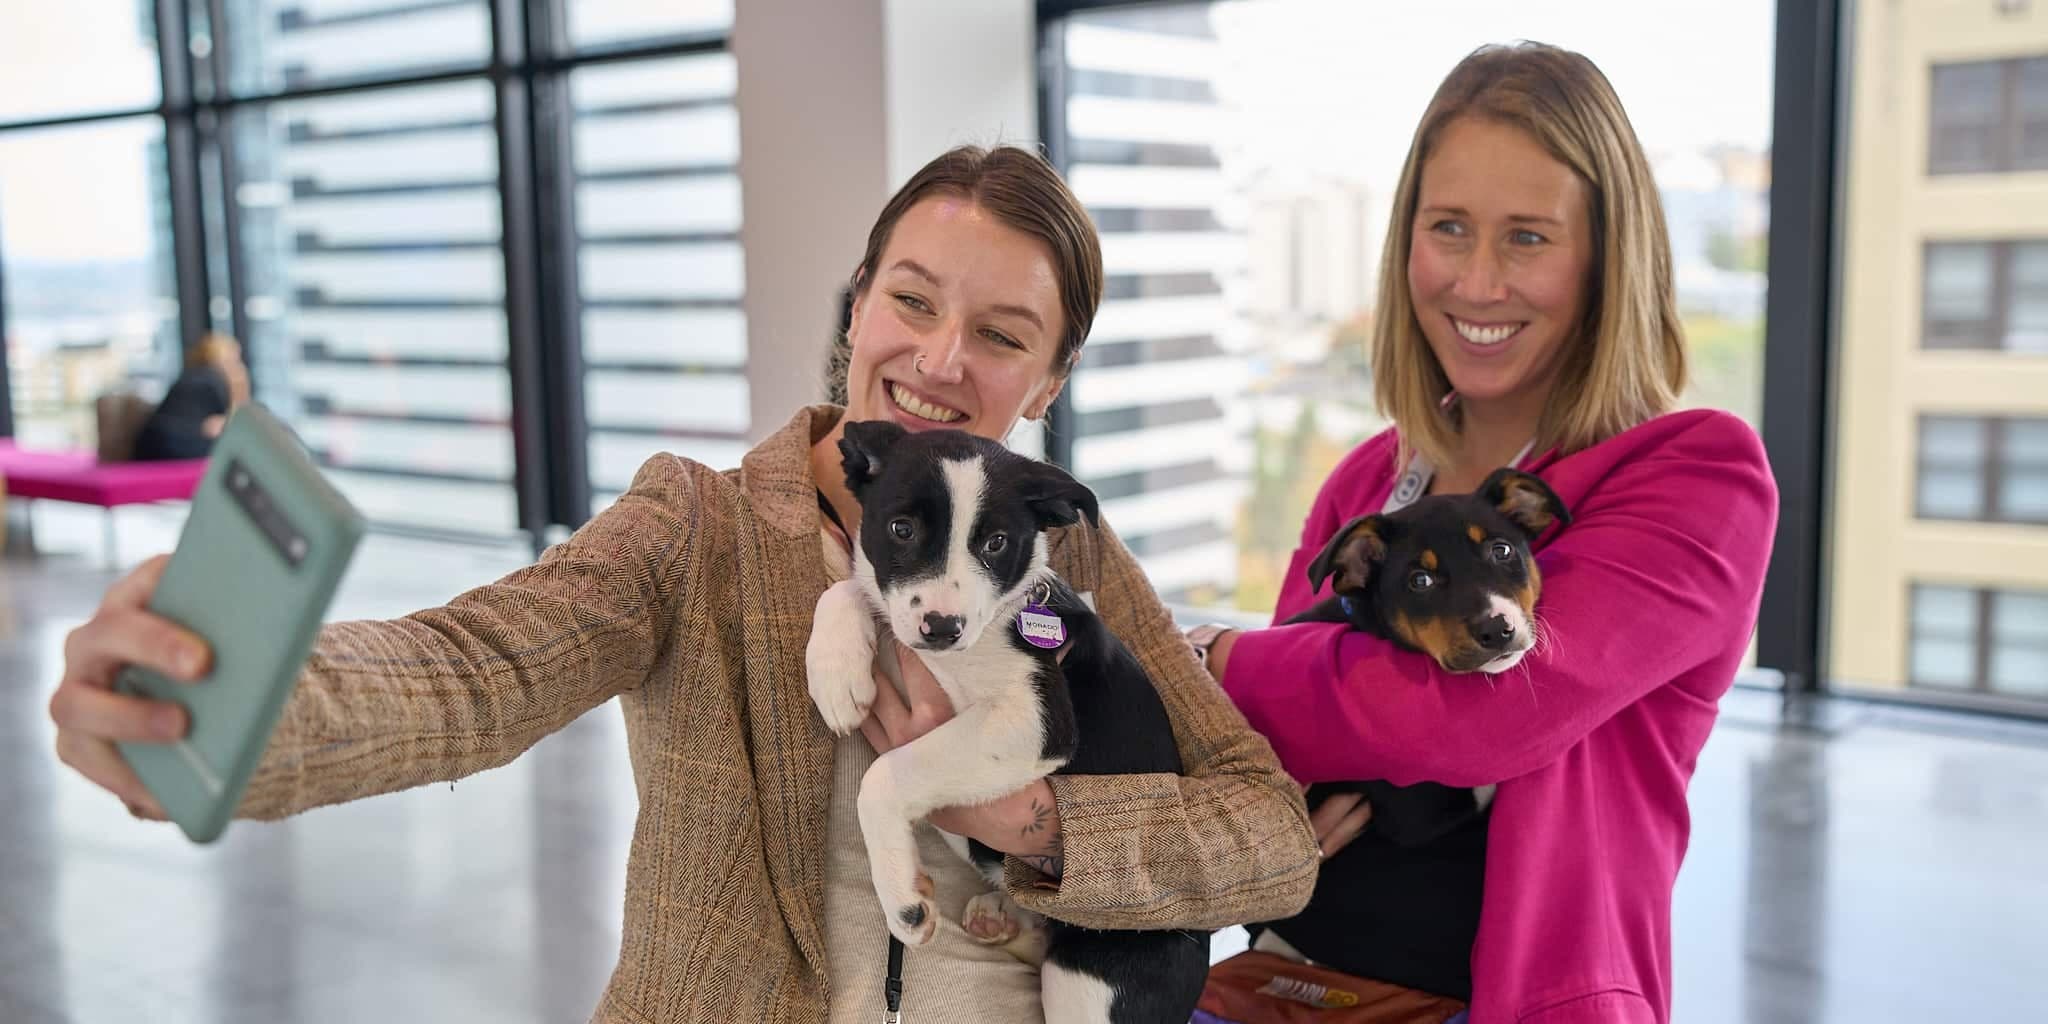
(1635, 365)
(214, 349)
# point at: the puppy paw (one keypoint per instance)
(914, 917)
(842, 687)
(994, 919)
(988, 919)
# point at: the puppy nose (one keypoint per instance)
(940, 630)
(1493, 632)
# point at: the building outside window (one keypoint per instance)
(1937, 555)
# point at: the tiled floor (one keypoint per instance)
(1893, 867)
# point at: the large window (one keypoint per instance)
(1239, 158)
(484, 255)
(657, 210)
(83, 259)
(376, 294)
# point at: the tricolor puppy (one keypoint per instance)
(1452, 576)
(951, 559)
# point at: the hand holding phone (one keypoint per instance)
(256, 566)
(91, 717)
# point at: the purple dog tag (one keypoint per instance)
(1041, 628)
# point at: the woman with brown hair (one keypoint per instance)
(690, 600)
(1526, 318)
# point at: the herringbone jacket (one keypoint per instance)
(690, 601)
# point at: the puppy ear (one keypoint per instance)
(863, 446)
(1525, 499)
(1056, 498)
(1351, 555)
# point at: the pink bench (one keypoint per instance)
(77, 476)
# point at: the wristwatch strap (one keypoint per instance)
(1202, 637)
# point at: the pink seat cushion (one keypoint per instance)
(78, 476)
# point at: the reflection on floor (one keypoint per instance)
(1891, 867)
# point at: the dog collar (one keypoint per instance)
(1344, 602)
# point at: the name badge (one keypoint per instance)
(1040, 627)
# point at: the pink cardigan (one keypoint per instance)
(1649, 598)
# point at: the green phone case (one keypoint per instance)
(257, 563)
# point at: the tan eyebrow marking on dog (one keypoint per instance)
(1477, 534)
(1429, 560)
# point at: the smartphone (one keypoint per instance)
(256, 565)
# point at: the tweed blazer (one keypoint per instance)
(690, 600)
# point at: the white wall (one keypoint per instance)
(839, 103)
(813, 166)
(960, 71)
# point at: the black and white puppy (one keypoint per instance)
(951, 559)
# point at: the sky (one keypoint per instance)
(1336, 86)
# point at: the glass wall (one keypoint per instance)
(1239, 158)
(657, 211)
(371, 240)
(84, 260)
(354, 190)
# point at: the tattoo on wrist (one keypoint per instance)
(1049, 858)
(1041, 817)
(1051, 867)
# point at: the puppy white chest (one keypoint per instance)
(984, 672)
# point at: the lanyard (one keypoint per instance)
(892, 984)
(1415, 479)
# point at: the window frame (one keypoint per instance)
(2009, 126)
(1983, 640)
(1993, 468)
(2002, 127)
(1993, 332)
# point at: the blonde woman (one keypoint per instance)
(1527, 319)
